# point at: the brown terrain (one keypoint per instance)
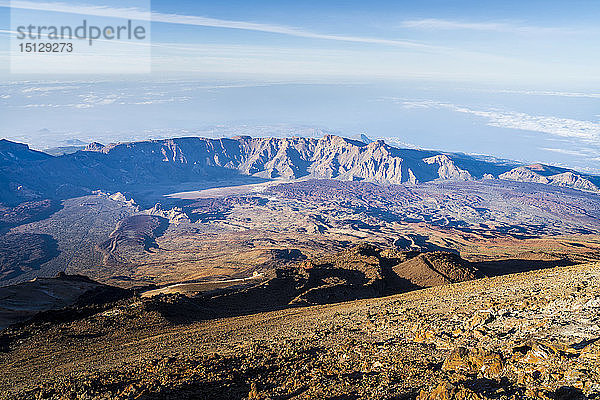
(25, 300)
(526, 336)
(233, 236)
(268, 268)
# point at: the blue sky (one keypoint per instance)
(510, 42)
(514, 79)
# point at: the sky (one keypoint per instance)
(514, 79)
(518, 42)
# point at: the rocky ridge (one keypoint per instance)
(32, 175)
(538, 173)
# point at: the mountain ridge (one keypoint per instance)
(31, 175)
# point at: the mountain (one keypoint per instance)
(548, 175)
(13, 154)
(29, 175)
(18, 152)
(280, 290)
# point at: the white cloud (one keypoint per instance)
(552, 93)
(92, 100)
(489, 26)
(143, 15)
(588, 131)
(578, 153)
(565, 127)
(42, 105)
(46, 89)
(161, 101)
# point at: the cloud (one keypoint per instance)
(577, 153)
(502, 27)
(43, 89)
(587, 131)
(552, 93)
(147, 95)
(143, 15)
(564, 127)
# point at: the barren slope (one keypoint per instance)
(530, 335)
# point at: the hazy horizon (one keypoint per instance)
(513, 80)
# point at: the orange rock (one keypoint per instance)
(488, 363)
(447, 391)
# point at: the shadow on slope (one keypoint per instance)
(358, 273)
(23, 252)
(31, 307)
(361, 272)
(513, 266)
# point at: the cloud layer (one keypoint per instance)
(489, 26)
(587, 131)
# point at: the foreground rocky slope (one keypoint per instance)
(525, 336)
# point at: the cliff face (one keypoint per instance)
(28, 175)
(292, 158)
(330, 157)
(447, 169)
(552, 176)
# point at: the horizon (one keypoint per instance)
(508, 79)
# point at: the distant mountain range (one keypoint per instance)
(27, 175)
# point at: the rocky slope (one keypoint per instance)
(525, 336)
(136, 233)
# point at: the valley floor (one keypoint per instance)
(528, 335)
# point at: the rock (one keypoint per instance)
(591, 351)
(94, 147)
(572, 180)
(253, 394)
(535, 393)
(480, 318)
(423, 335)
(447, 169)
(539, 353)
(547, 175)
(118, 196)
(447, 391)
(475, 361)
(175, 215)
